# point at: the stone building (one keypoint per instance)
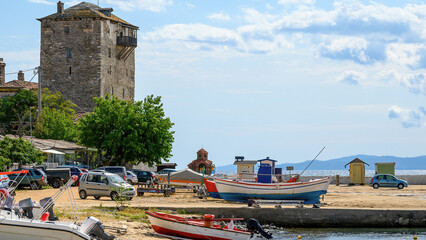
(86, 51)
(11, 87)
(202, 161)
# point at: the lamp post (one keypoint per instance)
(39, 93)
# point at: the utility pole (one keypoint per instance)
(39, 94)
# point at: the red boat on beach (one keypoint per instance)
(172, 225)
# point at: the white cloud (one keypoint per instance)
(350, 48)
(219, 17)
(409, 118)
(288, 2)
(190, 5)
(409, 54)
(42, 2)
(147, 5)
(415, 82)
(351, 78)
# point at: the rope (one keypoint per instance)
(312, 161)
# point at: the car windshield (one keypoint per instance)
(116, 179)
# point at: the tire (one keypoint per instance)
(56, 183)
(130, 182)
(148, 182)
(34, 185)
(400, 186)
(376, 186)
(129, 198)
(83, 194)
(114, 195)
(97, 197)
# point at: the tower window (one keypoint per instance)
(109, 52)
(69, 53)
(110, 70)
(67, 29)
(70, 71)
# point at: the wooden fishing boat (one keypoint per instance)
(172, 225)
(211, 188)
(242, 191)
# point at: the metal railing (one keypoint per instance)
(127, 41)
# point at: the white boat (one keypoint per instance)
(19, 222)
(242, 191)
(168, 224)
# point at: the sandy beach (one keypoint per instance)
(343, 196)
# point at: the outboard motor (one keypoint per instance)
(44, 202)
(93, 227)
(27, 205)
(253, 226)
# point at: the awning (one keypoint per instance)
(52, 151)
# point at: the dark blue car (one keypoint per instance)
(387, 180)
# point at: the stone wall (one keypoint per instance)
(118, 75)
(78, 58)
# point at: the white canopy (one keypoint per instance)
(52, 151)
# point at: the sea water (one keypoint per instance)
(350, 233)
(368, 173)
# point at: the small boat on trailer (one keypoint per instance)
(172, 225)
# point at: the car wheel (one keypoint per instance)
(34, 185)
(97, 197)
(148, 182)
(83, 194)
(400, 186)
(56, 183)
(129, 198)
(114, 195)
(376, 186)
(130, 182)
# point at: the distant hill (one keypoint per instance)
(409, 163)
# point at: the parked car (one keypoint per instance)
(104, 184)
(387, 180)
(167, 170)
(131, 178)
(74, 171)
(120, 171)
(56, 177)
(4, 181)
(145, 176)
(35, 178)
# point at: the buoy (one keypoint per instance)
(299, 237)
(415, 237)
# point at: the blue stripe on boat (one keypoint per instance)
(309, 197)
(214, 195)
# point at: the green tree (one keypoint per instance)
(57, 117)
(56, 101)
(19, 151)
(15, 111)
(56, 124)
(128, 133)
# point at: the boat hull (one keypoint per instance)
(211, 188)
(25, 230)
(193, 231)
(242, 191)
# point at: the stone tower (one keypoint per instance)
(87, 52)
(2, 72)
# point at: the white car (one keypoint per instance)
(131, 178)
(4, 181)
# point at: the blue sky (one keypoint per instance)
(267, 78)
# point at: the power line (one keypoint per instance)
(32, 69)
